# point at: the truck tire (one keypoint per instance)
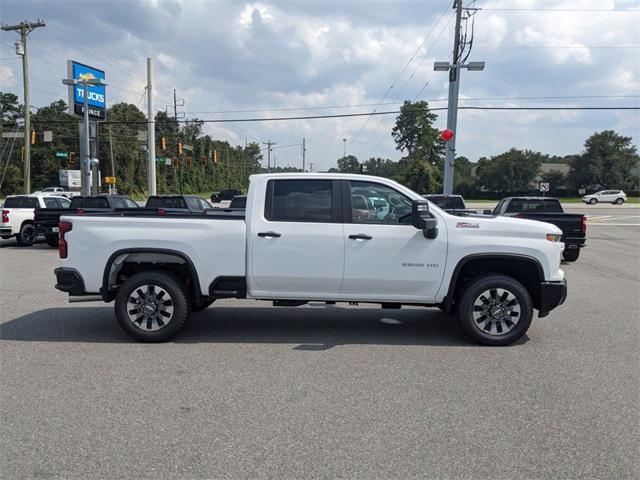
(619, 201)
(593, 201)
(52, 240)
(152, 306)
(571, 255)
(27, 235)
(495, 309)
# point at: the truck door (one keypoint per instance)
(387, 258)
(297, 243)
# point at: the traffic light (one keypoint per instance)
(33, 137)
(163, 144)
(180, 148)
(216, 157)
(71, 155)
(188, 160)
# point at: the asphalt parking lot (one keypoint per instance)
(252, 391)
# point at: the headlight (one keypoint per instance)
(554, 237)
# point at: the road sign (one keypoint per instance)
(161, 160)
(544, 186)
(189, 148)
(62, 154)
(12, 134)
(48, 136)
(110, 180)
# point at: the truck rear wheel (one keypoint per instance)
(571, 255)
(495, 310)
(27, 235)
(152, 306)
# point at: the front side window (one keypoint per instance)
(192, 203)
(299, 201)
(130, 203)
(373, 203)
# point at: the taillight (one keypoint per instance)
(5, 216)
(80, 212)
(161, 211)
(63, 227)
(519, 215)
(583, 224)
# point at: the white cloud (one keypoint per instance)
(7, 76)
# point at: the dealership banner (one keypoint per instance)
(96, 95)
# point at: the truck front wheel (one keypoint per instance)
(152, 306)
(495, 309)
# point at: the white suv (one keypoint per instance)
(607, 196)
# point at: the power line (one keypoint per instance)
(357, 135)
(534, 9)
(347, 115)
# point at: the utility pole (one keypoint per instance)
(452, 110)
(25, 29)
(454, 69)
(178, 154)
(269, 144)
(151, 132)
(344, 147)
(304, 153)
(113, 165)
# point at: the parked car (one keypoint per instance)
(46, 220)
(18, 214)
(227, 194)
(549, 210)
(453, 204)
(178, 203)
(299, 241)
(58, 191)
(617, 197)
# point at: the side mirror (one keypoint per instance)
(419, 210)
(487, 212)
(430, 229)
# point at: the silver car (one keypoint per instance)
(607, 196)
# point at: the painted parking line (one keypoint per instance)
(605, 224)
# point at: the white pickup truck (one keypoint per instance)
(302, 239)
(18, 215)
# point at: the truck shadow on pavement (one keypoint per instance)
(310, 329)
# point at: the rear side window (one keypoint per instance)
(118, 203)
(540, 206)
(299, 201)
(90, 202)
(166, 202)
(55, 203)
(21, 202)
(130, 203)
(193, 203)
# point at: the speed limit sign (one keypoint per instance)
(544, 186)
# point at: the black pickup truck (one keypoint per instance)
(46, 219)
(178, 203)
(549, 210)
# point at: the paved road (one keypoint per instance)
(253, 392)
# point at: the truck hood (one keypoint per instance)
(514, 227)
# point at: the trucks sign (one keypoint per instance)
(96, 95)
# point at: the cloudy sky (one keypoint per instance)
(235, 59)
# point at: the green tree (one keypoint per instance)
(348, 164)
(414, 132)
(608, 161)
(381, 167)
(510, 172)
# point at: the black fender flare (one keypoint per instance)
(105, 291)
(448, 300)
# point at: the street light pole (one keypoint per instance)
(344, 147)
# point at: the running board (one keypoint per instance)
(85, 298)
